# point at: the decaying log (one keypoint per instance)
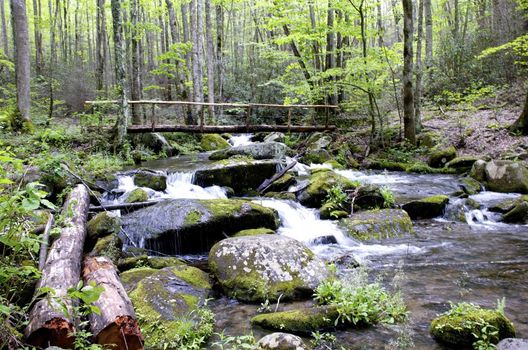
(128, 207)
(48, 325)
(116, 326)
(268, 182)
(218, 129)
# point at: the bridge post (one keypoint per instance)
(289, 119)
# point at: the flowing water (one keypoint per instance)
(480, 260)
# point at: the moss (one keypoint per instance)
(212, 142)
(103, 224)
(440, 157)
(461, 164)
(421, 168)
(110, 246)
(320, 184)
(137, 195)
(282, 184)
(378, 224)
(426, 208)
(254, 232)
(193, 217)
(471, 186)
(384, 164)
(299, 321)
(281, 195)
(438, 199)
(318, 156)
(239, 159)
(150, 179)
(159, 262)
(131, 277)
(192, 275)
(327, 212)
(335, 164)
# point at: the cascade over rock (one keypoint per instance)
(258, 151)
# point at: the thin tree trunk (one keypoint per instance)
(210, 59)
(136, 75)
(220, 50)
(409, 127)
(379, 24)
(100, 54)
(397, 19)
(22, 65)
(428, 39)
(175, 39)
(330, 49)
(5, 40)
(196, 25)
(38, 38)
(419, 72)
(315, 44)
(521, 124)
(188, 60)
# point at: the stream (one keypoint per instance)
(479, 261)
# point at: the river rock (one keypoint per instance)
(110, 246)
(155, 262)
(318, 140)
(501, 175)
(513, 344)
(151, 179)
(191, 226)
(281, 341)
(254, 232)
(258, 151)
(275, 137)
(137, 195)
(304, 320)
(462, 164)
(426, 208)
(166, 302)
(518, 215)
(378, 224)
(320, 184)
(440, 157)
(316, 156)
(266, 267)
(282, 184)
(241, 175)
(103, 224)
(213, 142)
(156, 142)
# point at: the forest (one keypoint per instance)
(264, 174)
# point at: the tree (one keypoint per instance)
(22, 65)
(521, 124)
(409, 125)
(5, 41)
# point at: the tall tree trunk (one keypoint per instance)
(22, 65)
(100, 49)
(220, 50)
(196, 25)
(122, 89)
(428, 39)
(521, 124)
(5, 40)
(53, 54)
(379, 24)
(175, 39)
(397, 19)
(210, 59)
(38, 37)
(419, 71)
(315, 44)
(330, 49)
(409, 127)
(135, 93)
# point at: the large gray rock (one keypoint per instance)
(151, 179)
(265, 150)
(281, 341)
(275, 137)
(513, 344)
(378, 224)
(501, 175)
(157, 143)
(427, 208)
(320, 183)
(187, 226)
(266, 267)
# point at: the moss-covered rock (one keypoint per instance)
(281, 341)
(384, 164)
(156, 142)
(320, 183)
(378, 224)
(103, 224)
(254, 232)
(275, 137)
(305, 320)
(470, 186)
(213, 142)
(440, 157)
(328, 212)
(428, 139)
(155, 262)
(462, 164)
(316, 156)
(187, 226)
(519, 214)
(427, 208)
(266, 267)
(240, 175)
(458, 329)
(137, 195)
(168, 302)
(336, 165)
(110, 246)
(258, 151)
(282, 184)
(281, 195)
(501, 175)
(151, 179)
(508, 204)
(132, 277)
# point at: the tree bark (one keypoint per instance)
(116, 326)
(5, 40)
(409, 127)
(220, 50)
(330, 48)
(62, 270)
(428, 38)
(419, 71)
(38, 37)
(210, 59)
(521, 124)
(196, 24)
(22, 65)
(100, 46)
(136, 74)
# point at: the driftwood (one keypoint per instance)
(116, 325)
(124, 206)
(48, 326)
(268, 182)
(45, 242)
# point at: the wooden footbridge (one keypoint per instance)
(154, 125)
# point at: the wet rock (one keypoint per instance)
(462, 164)
(213, 142)
(275, 137)
(281, 195)
(151, 179)
(282, 184)
(439, 158)
(518, 215)
(254, 232)
(369, 196)
(157, 143)
(191, 226)
(427, 208)
(258, 151)
(137, 195)
(470, 186)
(305, 320)
(320, 184)
(513, 344)
(328, 212)
(338, 166)
(457, 329)
(318, 141)
(241, 176)
(378, 224)
(281, 341)
(316, 156)
(103, 224)
(154, 262)
(501, 175)
(110, 246)
(325, 240)
(266, 267)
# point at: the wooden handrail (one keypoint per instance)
(187, 103)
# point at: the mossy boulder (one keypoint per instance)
(428, 139)
(137, 195)
(266, 267)
(110, 246)
(470, 186)
(328, 212)
(458, 329)
(281, 195)
(518, 214)
(336, 165)
(320, 184)
(240, 175)
(318, 140)
(151, 179)
(384, 164)
(254, 232)
(257, 151)
(166, 303)
(461, 164)
(378, 224)
(155, 262)
(281, 341)
(426, 208)
(156, 142)
(282, 184)
(369, 196)
(275, 137)
(103, 224)
(213, 142)
(304, 321)
(316, 156)
(501, 175)
(192, 226)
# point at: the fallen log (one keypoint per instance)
(128, 207)
(218, 129)
(47, 325)
(116, 325)
(268, 182)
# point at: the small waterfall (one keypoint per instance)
(241, 140)
(180, 185)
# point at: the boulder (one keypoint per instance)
(428, 139)
(439, 158)
(103, 224)
(328, 212)
(462, 164)
(369, 196)
(157, 143)
(378, 224)
(266, 267)
(213, 142)
(519, 214)
(281, 195)
(151, 179)
(501, 175)
(470, 186)
(169, 304)
(457, 329)
(241, 176)
(281, 341)
(319, 141)
(304, 320)
(110, 246)
(254, 232)
(155, 262)
(137, 195)
(316, 156)
(258, 151)
(513, 344)
(282, 184)
(320, 184)
(192, 226)
(275, 137)
(426, 208)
